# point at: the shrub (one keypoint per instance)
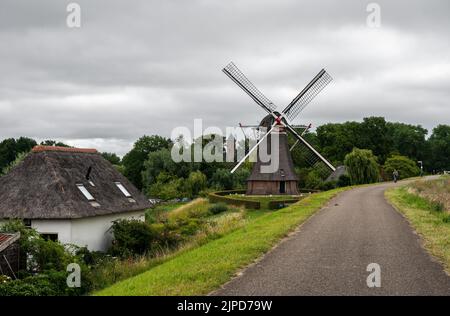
(222, 179)
(131, 237)
(362, 166)
(406, 167)
(49, 255)
(343, 181)
(329, 185)
(218, 208)
(166, 187)
(313, 180)
(49, 283)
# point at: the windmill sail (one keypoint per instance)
(307, 94)
(315, 154)
(242, 81)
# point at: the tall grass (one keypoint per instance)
(112, 270)
(426, 216)
(437, 192)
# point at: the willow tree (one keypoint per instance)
(362, 166)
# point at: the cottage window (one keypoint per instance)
(50, 236)
(123, 189)
(85, 192)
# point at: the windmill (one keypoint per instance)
(283, 180)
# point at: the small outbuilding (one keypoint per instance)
(9, 254)
(70, 194)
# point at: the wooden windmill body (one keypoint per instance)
(282, 180)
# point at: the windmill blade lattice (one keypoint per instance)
(307, 94)
(309, 158)
(232, 71)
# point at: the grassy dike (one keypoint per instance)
(206, 268)
(431, 224)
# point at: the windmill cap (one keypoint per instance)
(40, 148)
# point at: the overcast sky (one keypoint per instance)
(146, 67)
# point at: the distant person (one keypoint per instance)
(395, 175)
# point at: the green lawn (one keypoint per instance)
(202, 270)
(431, 222)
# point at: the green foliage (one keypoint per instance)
(10, 148)
(20, 157)
(50, 142)
(408, 140)
(47, 260)
(338, 139)
(27, 236)
(132, 237)
(50, 283)
(120, 168)
(134, 160)
(218, 208)
(328, 185)
(222, 179)
(343, 181)
(112, 158)
(439, 143)
(405, 166)
(362, 166)
(313, 180)
(166, 187)
(374, 136)
(195, 183)
(160, 231)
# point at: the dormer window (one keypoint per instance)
(85, 192)
(123, 189)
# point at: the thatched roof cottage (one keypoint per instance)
(70, 194)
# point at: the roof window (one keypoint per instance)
(123, 189)
(85, 192)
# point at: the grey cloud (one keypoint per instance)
(145, 67)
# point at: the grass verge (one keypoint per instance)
(204, 269)
(433, 225)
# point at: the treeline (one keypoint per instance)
(149, 165)
(385, 139)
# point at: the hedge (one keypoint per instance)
(225, 196)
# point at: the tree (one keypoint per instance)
(222, 179)
(373, 133)
(10, 148)
(50, 142)
(337, 140)
(134, 160)
(166, 187)
(408, 140)
(195, 183)
(20, 157)
(406, 167)
(112, 158)
(362, 166)
(161, 161)
(439, 143)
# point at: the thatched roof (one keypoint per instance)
(44, 186)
